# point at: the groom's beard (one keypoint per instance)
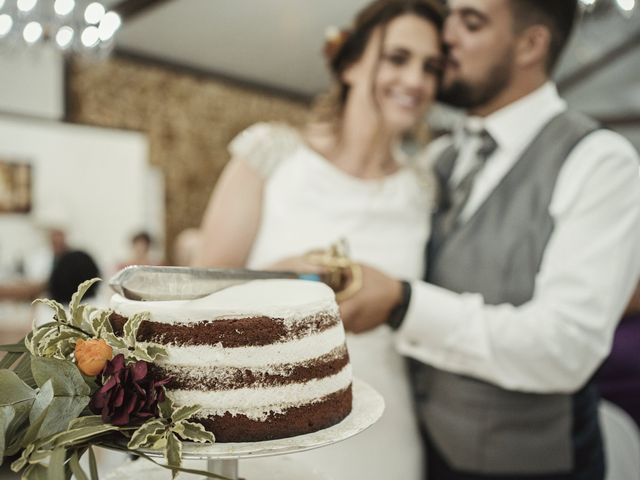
(461, 93)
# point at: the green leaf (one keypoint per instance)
(140, 353)
(76, 298)
(9, 359)
(73, 437)
(60, 342)
(148, 353)
(61, 411)
(18, 427)
(117, 343)
(56, 464)
(36, 472)
(59, 311)
(99, 323)
(32, 340)
(13, 390)
(76, 469)
(93, 465)
(31, 434)
(23, 370)
(156, 351)
(150, 427)
(39, 456)
(173, 453)
(21, 462)
(7, 414)
(80, 314)
(45, 340)
(130, 330)
(14, 347)
(166, 407)
(194, 431)
(64, 375)
(64, 348)
(88, 421)
(42, 401)
(157, 442)
(184, 412)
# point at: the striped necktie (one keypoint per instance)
(457, 196)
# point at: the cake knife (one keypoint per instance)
(142, 282)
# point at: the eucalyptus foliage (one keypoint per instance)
(44, 417)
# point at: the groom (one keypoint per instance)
(533, 256)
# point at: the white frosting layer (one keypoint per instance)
(257, 403)
(290, 300)
(226, 373)
(293, 351)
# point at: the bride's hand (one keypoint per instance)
(297, 264)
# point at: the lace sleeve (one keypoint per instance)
(264, 145)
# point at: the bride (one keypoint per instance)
(287, 191)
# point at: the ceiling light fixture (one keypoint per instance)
(81, 27)
(625, 7)
(64, 7)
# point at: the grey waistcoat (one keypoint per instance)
(477, 426)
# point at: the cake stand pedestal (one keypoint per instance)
(223, 458)
(226, 468)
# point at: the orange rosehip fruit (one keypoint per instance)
(92, 355)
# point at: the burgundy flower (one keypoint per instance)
(127, 394)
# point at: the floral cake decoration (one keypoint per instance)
(73, 383)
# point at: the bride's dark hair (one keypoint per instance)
(353, 42)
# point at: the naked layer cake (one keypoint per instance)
(266, 359)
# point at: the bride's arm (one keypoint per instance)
(232, 218)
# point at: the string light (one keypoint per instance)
(82, 27)
(64, 7)
(6, 22)
(626, 5)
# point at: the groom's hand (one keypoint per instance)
(373, 303)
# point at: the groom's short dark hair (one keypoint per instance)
(557, 15)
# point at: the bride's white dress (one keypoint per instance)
(307, 204)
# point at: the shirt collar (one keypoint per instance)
(513, 126)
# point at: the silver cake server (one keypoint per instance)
(141, 282)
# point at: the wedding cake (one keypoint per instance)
(265, 359)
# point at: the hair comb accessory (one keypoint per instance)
(334, 39)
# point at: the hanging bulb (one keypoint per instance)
(64, 7)
(90, 37)
(109, 24)
(64, 36)
(32, 32)
(94, 13)
(6, 22)
(626, 5)
(26, 5)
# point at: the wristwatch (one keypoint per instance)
(397, 314)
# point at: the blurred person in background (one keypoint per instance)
(55, 272)
(38, 265)
(286, 192)
(618, 379)
(140, 254)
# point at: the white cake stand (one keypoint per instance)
(222, 458)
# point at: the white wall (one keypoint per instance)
(32, 83)
(99, 176)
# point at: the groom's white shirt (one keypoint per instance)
(554, 342)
